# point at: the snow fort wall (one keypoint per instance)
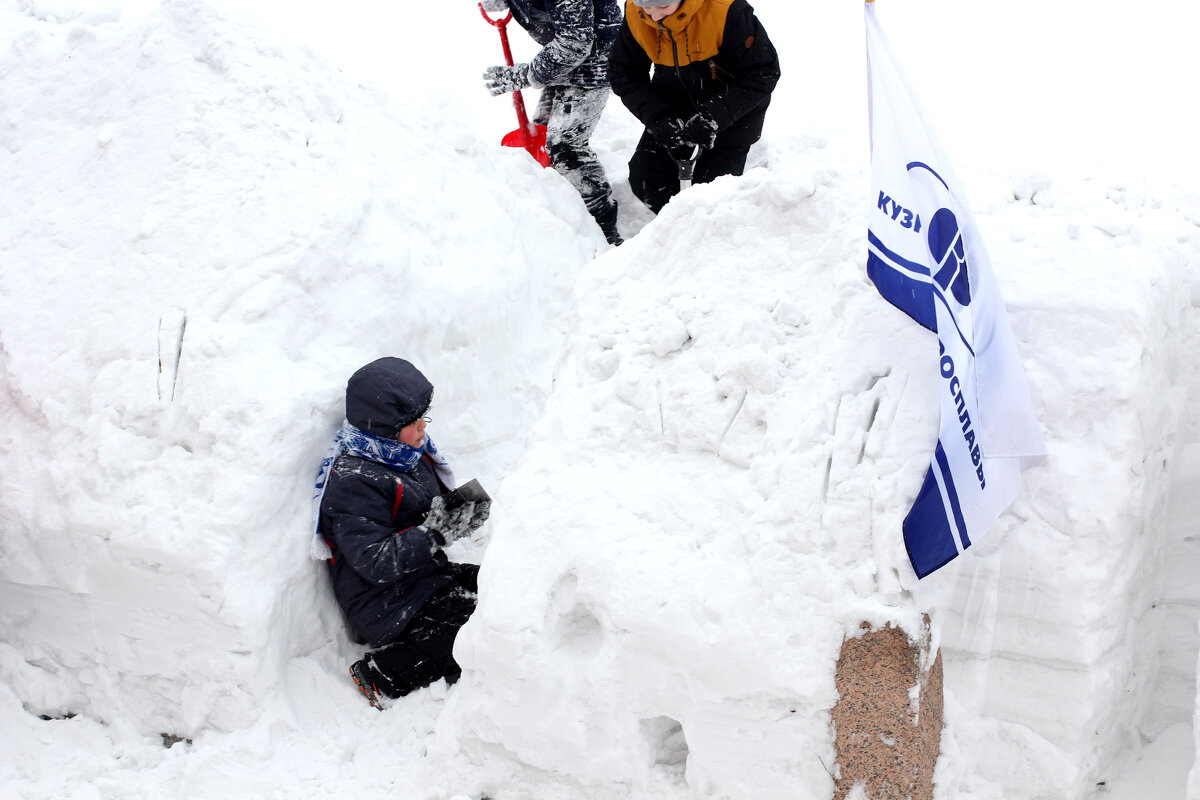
(765, 416)
(209, 232)
(1053, 631)
(707, 509)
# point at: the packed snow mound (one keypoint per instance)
(206, 233)
(709, 505)
(713, 501)
(1075, 596)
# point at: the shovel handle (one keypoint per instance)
(501, 25)
(518, 102)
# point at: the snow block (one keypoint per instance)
(1069, 633)
(710, 505)
(888, 717)
(206, 232)
(764, 417)
(1193, 781)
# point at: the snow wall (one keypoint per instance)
(204, 237)
(761, 420)
(1066, 625)
(705, 510)
(205, 234)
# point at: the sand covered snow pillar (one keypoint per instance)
(888, 718)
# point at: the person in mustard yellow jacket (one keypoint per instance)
(699, 75)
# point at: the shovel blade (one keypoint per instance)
(535, 143)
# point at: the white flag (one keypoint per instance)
(926, 257)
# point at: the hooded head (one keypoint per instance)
(386, 395)
(652, 3)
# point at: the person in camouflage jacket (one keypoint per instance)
(571, 69)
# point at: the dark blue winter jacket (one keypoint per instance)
(383, 568)
(575, 35)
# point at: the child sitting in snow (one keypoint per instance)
(381, 523)
(572, 71)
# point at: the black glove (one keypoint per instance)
(501, 80)
(700, 131)
(667, 131)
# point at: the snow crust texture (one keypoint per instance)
(700, 445)
(699, 518)
(205, 234)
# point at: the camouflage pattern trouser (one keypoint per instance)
(570, 114)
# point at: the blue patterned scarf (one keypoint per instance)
(389, 452)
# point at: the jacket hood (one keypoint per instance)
(386, 395)
(693, 33)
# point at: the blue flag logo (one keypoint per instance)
(947, 248)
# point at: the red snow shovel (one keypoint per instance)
(530, 137)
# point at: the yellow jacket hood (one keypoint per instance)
(695, 31)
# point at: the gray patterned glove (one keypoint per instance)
(480, 513)
(455, 524)
(502, 80)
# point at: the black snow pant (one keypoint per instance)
(654, 175)
(570, 114)
(424, 651)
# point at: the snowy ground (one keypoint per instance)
(212, 216)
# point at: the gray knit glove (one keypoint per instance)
(456, 524)
(502, 80)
